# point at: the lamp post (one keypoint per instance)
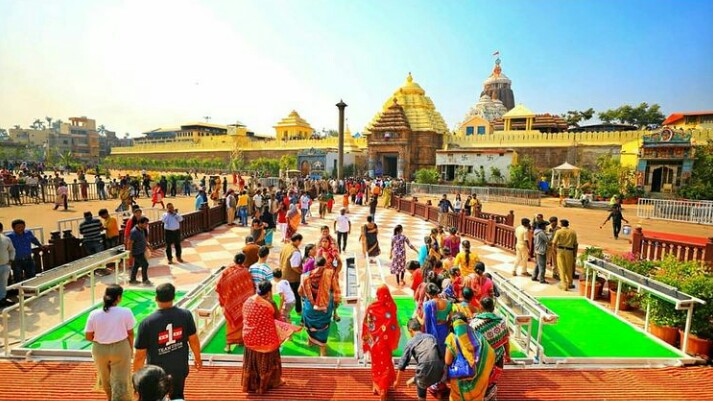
(340, 153)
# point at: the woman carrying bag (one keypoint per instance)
(470, 360)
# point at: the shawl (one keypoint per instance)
(234, 287)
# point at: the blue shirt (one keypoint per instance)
(171, 221)
(23, 243)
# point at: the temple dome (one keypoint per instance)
(420, 112)
(487, 109)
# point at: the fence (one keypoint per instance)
(657, 248)
(73, 223)
(700, 212)
(488, 194)
(490, 228)
(38, 232)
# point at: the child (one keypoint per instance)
(345, 202)
(414, 268)
(456, 282)
(287, 297)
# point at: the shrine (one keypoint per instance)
(665, 160)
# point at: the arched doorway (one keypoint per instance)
(304, 167)
(661, 176)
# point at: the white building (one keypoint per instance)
(448, 162)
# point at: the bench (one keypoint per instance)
(570, 202)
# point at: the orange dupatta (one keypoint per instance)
(261, 331)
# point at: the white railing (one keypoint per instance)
(38, 232)
(700, 212)
(73, 224)
(516, 196)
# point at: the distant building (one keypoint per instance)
(448, 162)
(520, 118)
(475, 125)
(690, 120)
(293, 127)
(320, 162)
(78, 136)
(191, 132)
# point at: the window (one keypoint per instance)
(691, 119)
(469, 130)
(481, 130)
(707, 119)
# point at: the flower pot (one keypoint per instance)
(623, 299)
(696, 345)
(585, 287)
(667, 334)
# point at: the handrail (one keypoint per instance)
(681, 300)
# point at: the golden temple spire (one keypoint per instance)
(409, 79)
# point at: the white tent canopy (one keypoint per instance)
(564, 175)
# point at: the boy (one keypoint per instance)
(429, 362)
(287, 297)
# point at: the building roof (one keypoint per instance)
(293, 120)
(678, 116)
(202, 124)
(418, 108)
(393, 119)
(519, 111)
(566, 167)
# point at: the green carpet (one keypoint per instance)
(70, 336)
(340, 342)
(341, 336)
(586, 331)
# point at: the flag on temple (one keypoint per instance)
(497, 53)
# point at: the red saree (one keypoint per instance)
(234, 288)
(261, 331)
(381, 333)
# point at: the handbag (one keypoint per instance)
(460, 368)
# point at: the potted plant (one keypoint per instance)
(585, 286)
(664, 319)
(700, 339)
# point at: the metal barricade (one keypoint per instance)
(72, 224)
(486, 194)
(688, 211)
(38, 232)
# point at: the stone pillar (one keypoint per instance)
(340, 163)
(400, 166)
(371, 165)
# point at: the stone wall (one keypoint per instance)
(580, 156)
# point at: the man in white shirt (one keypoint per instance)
(172, 228)
(343, 226)
(257, 202)
(7, 255)
(522, 247)
(304, 206)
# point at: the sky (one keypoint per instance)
(138, 65)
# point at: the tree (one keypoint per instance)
(700, 186)
(427, 176)
(574, 117)
(610, 177)
(3, 134)
(38, 124)
(642, 115)
(49, 121)
(288, 162)
(523, 174)
(496, 175)
(67, 159)
(16, 126)
(265, 165)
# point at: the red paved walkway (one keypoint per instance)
(74, 381)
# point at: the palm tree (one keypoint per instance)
(101, 129)
(66, 158)
(16, 126)
(49, 122)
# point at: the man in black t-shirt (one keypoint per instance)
(164, 337)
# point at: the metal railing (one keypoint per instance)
(73, 224)
(516, 196)
(699, 212)
(38, 232)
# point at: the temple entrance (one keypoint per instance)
(390, 162)
(661, 178)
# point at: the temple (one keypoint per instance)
(497, 87)
(404, 136)
(293, 127)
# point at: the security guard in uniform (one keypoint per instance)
(565, 242)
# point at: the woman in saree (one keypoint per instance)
(370, 238)
(157, 196)
(321, 295)
(234, 287)
(308, 262)
(263, 335)
(257, 231)
(380, 337)
(472, 346)
(293, 221)
(269, 223)
(436, 315)
(387, 196)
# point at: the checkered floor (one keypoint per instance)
(206, 252)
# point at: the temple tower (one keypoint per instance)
(497, 87)
(404, 136)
